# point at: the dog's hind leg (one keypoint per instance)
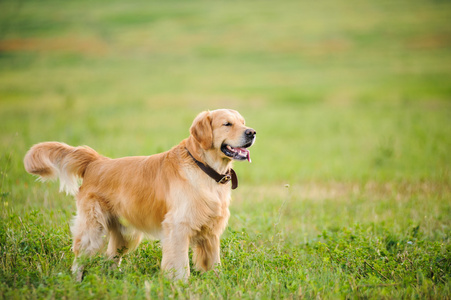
(122, 240)
(89, 232)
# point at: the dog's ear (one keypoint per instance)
(201, 130)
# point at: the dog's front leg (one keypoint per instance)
(175, 244)
(206, 252)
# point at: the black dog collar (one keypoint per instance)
(219, 178)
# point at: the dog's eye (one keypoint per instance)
(228, 124)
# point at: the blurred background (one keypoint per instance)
(347, 91)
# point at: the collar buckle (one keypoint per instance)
(225, 179)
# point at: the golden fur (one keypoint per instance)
(166, 195)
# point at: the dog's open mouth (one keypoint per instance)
(237, 152)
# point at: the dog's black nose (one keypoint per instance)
(250, 132)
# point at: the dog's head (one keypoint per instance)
(224, 133)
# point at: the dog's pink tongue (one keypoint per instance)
(244, 151)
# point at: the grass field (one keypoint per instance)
(349, 191)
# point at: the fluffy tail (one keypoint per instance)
(50, 160)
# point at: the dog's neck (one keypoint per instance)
(208, 157)
(219, 165)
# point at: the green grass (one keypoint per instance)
(349, 192)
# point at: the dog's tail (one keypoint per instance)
(51, 160)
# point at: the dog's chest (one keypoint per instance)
(211, 209)
(214, 217)
(216, 202)
(208, 203)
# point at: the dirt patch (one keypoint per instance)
(430, 42)
(318, 48)
(344, 191)
(86, 46)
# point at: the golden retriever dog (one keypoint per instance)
(180, 196)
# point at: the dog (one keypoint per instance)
(180, 196)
